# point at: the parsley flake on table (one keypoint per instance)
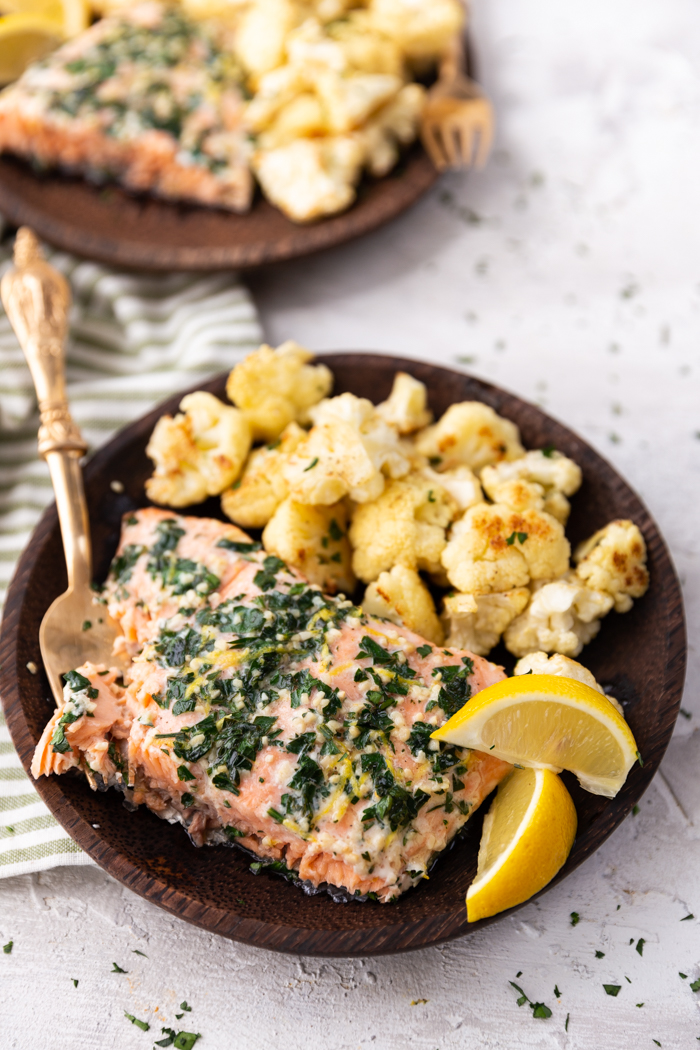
(640, 945)
(137, 952)
(7, 948)
(599, 955)
(117, 969)
(417, 1002)
(639, 1004)
(557, 993)
(184, 1006)
(538, 1009)
(656, 1041)
(143, 1025)
(75, 981)
(612, 989)
(685, 917)
(566, 1025)
(635, 810)
(575, 918)
(695, 985)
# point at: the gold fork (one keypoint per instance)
(458, 122)
(36, 298)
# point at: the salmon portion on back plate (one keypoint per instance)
(259, 711)
(145, 97)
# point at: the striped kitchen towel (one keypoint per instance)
(135, 339)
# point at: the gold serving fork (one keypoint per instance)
(37, 298)
(458, 123)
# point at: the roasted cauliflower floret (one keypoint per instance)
(548, 473)
(314, 541)
(197, 453)
(406, 408)
(254, 498)
(276, 387)
(477, 621)
(309, 178)
(470, 434)
(404, 526)
(422, 30)
(614, 560)
(402, 597)
(461, 483)
(493, 548)
(348, 452)
(562, 617)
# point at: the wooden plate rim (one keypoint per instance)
(392, 937)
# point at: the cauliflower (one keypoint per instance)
(549, 475)
(350, 100)
(614, 560)
(562, 617)
(493, 548)
(348, 452)
(477, 621)
(406, 408)
(314, 541)
(461, 483)
(275, 387)
(424, 30)
(253, 499)
(396, 123)
(198, 453)
(404, 526)
(470, 434)
(309, 178)
(401, 596)
(363, 48)
(261, 36)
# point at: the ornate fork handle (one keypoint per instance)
(37, 298)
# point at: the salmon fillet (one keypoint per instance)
(259, 711)
(144, 97)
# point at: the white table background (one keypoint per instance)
(568, 272)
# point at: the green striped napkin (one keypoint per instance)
(135, 339)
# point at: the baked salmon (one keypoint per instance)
(259, 711)
(145, 97)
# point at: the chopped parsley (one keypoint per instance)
(575, 918)
(311, 465)
(612, 989)
(7, 948)
(424, 650)
(520, 536)
(143, 1025)
(548, 451)
(187, 800)
(599, 954)
(695, 985)
(455, 689)
(640, 945)
(183, 773)
(539, 1010)
(239, 546)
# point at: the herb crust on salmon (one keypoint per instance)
(258, 710)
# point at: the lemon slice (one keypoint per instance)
(548, 722)
(24, 38)
(528, 834)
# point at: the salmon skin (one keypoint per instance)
(259, 711)
(145, 97)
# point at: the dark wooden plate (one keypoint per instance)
(113, 226)
(641, 655)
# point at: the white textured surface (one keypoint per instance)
(568, 272)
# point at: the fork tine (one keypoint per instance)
(433, 143)
(464, 132)
(486, 129)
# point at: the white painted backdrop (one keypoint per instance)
(568, 272)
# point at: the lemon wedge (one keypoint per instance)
(548, 722)
(528, 834)
(24, 38)
(73, 16)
